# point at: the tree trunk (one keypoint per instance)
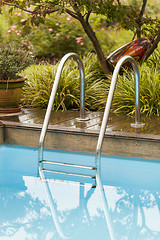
(139, 19)
(153, 47)
(92, 36)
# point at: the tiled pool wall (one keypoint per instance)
(115, 143)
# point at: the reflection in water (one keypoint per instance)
(25, 213)
(136, 213)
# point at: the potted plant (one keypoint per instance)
(12, 61)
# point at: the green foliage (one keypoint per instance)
(13, 29)
(41, 77)
(150, 90)
(59, 35)
(153, 61)
(12, 61)
(55, 34)
(39, 84)
(105, 34)
(40, 80)
(130, 15)
(53, 37)
(124, 97)
(96, 82)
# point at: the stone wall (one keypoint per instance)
(115, 143)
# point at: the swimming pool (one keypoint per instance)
(132, 190)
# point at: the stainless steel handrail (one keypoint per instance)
(54, 214)
(109, 102)
(52, 97)
(52, 208)
(104, 125)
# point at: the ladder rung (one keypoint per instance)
(67, 173)
(68, 164)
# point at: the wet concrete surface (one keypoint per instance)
(68, 119)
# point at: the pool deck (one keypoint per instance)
(65, 132)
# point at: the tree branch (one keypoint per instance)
(88, 15)
(16, 5)
(153, 47)
(92, 36)
(119, 4)
(139, 19)
(71, 13)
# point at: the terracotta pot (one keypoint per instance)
(10, 95)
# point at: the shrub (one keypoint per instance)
(11, 25)
(150, 91)
(153, 61)
(124, 97)
(39, 84)
(12, 61)
(57, 35)
(40, 80)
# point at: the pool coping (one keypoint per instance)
(115, 143)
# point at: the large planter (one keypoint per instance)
(10, 95)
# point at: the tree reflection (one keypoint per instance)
(132, 212)
(22, 216)
(25, 213)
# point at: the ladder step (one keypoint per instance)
(68, 164)
(68, 173)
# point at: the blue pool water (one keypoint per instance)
(132, 191)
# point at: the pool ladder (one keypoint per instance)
(43, 164)
(137, 124)
(97, 167)
(67, 166)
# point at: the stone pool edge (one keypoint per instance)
(115, 143)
